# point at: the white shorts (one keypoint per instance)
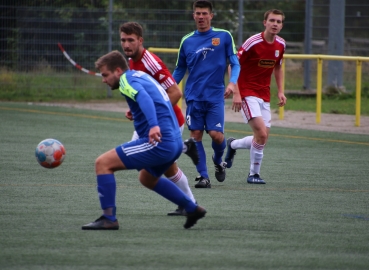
(256, 107)
(135, 135)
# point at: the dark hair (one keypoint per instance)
(130, 28)
(203, 4)
(112, 60)
(274, 11)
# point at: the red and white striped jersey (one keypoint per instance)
(257, 59)
(152, 64)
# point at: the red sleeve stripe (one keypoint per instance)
(167, 83)
(75, 64)
(281, 40)
(150, 63)
(252, 41)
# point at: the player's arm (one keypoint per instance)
(235, 71)
(164, 77)
(181, 67)
(278, 74)
(147, 107)
(236, 105)
(179, 73)
(174, 93)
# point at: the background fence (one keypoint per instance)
(30, 31)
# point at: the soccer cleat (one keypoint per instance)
(255, 179)
(193, 217)
(202, 182)
(220, 172)
(230, 153)
(102, 223)
(192, 150)
(180, 211)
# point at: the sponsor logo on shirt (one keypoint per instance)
(266, 63)
(204, 54)
(204, 49)
(215, 41)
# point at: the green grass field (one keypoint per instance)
(312, 213)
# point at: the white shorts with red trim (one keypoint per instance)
(256, 107)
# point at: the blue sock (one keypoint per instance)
(171, 192)
(106, 188)
(218, 151)
(201, 167)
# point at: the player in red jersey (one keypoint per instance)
(131, 39)
(259, 56)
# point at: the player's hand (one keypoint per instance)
(282, 100)
(154, 135)
(237, 102)
(129, 115)
(229, 90)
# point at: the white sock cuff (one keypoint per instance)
(176, 177)
(257, 146)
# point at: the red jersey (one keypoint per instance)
(257, 59)
(152, 65)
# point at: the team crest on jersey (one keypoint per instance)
(276, 53)
(215, 41)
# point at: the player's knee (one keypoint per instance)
(101, 165)
(216, 136)
(261, 137)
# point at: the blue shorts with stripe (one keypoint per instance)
(205, 115)
(155, 159)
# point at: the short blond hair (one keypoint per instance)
(112, 60)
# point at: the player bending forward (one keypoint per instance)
(159, 145)
(259, 56)
(131, 40)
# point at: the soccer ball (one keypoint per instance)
(50, 153)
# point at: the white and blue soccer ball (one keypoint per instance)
(50, 153)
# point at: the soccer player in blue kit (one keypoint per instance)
(204, 53)
(158, 147)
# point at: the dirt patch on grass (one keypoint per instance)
(292, 119)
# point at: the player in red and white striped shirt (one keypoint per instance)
(259, 56)
(131, 39)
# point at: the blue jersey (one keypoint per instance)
(205, 56)
(149, 104)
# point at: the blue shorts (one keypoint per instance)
(204, 115)
(155, 159)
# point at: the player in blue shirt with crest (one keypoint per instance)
(205, 54)
(158, 147)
